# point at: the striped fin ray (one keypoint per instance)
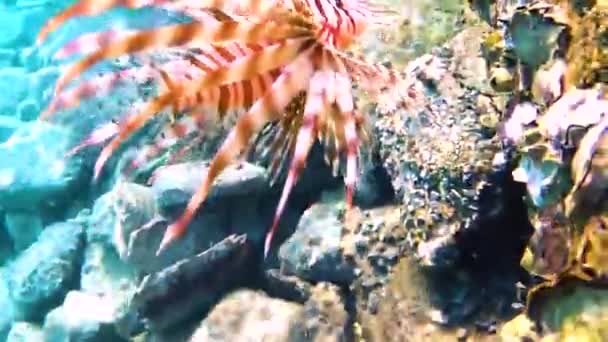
(97, 86)
(208, 58)
(277, 141)
(284, 144)
(103, 84)
(219, 101)
(237, 9)
(172, 139)
(368, 73)
(185, 35)
(344, 100)
(96, 7)
(272, 57)
(315, 105)
(342, 21)
(240, 69)
(132, 124)
(90, 8)
(91, 42)
(292, 80)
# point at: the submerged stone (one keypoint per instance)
(34, 169)
(40, 277)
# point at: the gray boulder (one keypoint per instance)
(41, 276)
(83, 318)
(314, 251)
(24, 332)
(34, 169)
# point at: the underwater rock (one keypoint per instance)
(104, 274)
(518, 329)
(191, 286)
(373, 186)
(6, 315)
(82, 317)
(39, 277)
(40, 85)
(483, 254)
(589, 170)
(8, 57)
(400, 310)
(101, 221)
(286, 287)
(6, 246)
(13, 81)
(241, 202)
(324, 317)
(238, 180)
(25, 332)
(23, 228)
(439, 151)
(262, 319)
(573, 311)
(314, 251)
(28, 110)
(535, 32)
(588, 51)
(34, 171)
(376, 240)
(8, 125)
(461, 60)
(577, 107)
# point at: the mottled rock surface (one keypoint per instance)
(191, 286)
(34, 171)
(82, 317)
(314, 251)
(25, 332)
(41, 275)
(262, 319)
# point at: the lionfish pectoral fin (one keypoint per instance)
(174, 231)
(98, 136)
(345, 103)
(133, 123)
(171, 87)
(314, 106)
(89, 8)
(292, 80)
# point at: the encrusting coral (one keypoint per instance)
(281, 61)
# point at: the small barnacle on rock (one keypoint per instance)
(501, 79)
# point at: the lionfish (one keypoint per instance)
(278, 61)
